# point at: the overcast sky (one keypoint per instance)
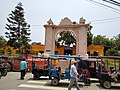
(105, 21)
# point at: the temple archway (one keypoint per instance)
(79, 31)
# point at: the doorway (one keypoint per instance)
(67, 50)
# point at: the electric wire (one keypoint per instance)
(37, 25)
(98, 3)
(115, 1)
(112, 2)
(107, 20)
(103, 22)
(104, 5)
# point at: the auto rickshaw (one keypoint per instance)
(65, 63)
(3, 68)
(109, 71)
(41, 66)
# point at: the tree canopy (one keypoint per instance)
(117, 42)
(65, 38)
(112, 44)
(102, 40)
(89, 36)
(2, 42)
(18, 30)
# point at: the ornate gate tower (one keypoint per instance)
(79, 31)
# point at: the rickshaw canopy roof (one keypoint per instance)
(109, 57)
(65, 56)
(41, 57)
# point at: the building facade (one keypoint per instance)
(92, 50)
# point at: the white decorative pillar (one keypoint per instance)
(49, 39)
(81, 45)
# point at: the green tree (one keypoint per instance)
(2, 42)
(112, 52)
(99, 40)
(89, 36)
(102, 40)
(117, 42)
(36, 42)
(66, 38)
(18, 29)
(112, 46)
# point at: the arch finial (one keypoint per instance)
(50, 22)
(82, 20)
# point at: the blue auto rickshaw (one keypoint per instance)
(56, 76)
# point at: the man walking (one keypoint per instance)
(73, 74)
(23, 67)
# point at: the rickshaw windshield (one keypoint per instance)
(64, 61)
(110, 63)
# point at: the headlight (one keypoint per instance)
(52, 77)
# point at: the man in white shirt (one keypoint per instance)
(73, 75)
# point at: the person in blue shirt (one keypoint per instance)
(23, 67)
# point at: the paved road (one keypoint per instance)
(12, 82)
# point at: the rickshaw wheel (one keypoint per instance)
(9, 67)
(107, 84)
(0, 75)
(55, 82)
(35, 77)
(87, 82)
(4, 72)
(101, 83)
